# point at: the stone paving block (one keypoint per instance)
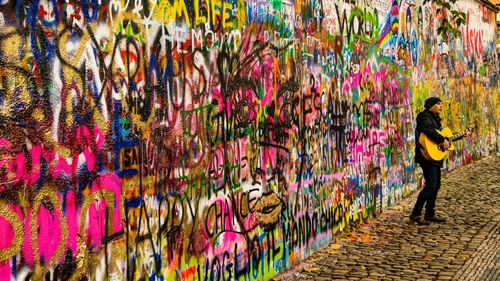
(350, 262)
(340, 272)
(320, 278)
(446, 273)
(358, 274)
(444, 277)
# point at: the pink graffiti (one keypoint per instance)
(365, 151)
(8, 234)
(97, 211)
(48, 236)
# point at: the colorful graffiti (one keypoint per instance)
(217, 140)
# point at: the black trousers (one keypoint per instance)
(432, 176)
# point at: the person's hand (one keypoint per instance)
(446, 144)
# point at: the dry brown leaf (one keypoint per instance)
(427, 258)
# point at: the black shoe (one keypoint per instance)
(435, 219)
(418, 220)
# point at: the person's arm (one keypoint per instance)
(428, 128)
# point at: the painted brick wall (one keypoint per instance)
(218, 139)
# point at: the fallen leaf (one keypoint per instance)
(333, 252)
(312, 269)
(427, 258)
(365, 238)
(335, 246)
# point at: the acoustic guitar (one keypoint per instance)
(436, 152)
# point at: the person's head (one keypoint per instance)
(434, 105)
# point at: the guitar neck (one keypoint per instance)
(456, 136)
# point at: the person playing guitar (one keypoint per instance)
(428, 123)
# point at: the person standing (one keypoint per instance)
(428, 121)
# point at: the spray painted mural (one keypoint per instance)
(217, 139)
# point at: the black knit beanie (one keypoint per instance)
(431, 101)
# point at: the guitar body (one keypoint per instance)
(431, 150)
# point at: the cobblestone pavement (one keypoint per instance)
(466, 247)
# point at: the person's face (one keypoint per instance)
(436, 109)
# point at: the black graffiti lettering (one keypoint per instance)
(219, 218)
(227, 267)
(256, 256)
(215, 270)
(127, 161)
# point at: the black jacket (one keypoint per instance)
(428, 123)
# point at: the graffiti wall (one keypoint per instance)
(218, 139)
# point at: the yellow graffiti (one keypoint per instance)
(166, 12)
(47, 194)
